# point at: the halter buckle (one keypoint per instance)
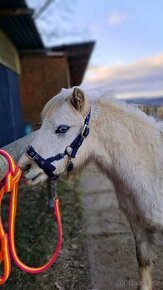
(70, 165)
(85, 131)
(30, 152)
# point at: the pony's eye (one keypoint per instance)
(62, 129)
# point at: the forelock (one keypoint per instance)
(55, 103)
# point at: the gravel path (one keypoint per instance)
(111, 248)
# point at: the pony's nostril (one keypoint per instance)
(27, 167)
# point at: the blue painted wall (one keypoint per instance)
(11, 124)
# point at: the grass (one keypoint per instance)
(36, 240)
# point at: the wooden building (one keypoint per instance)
(11, 125)
(44, 72)
(39, 72)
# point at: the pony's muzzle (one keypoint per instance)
(25, 164)
(26, 167)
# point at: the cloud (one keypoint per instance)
(117, 18)
(141, 78)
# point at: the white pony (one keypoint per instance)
(124, 143)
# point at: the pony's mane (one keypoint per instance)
(107, 97)
(55, 102)
(97, 96)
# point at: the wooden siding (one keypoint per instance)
(42, 77)
(8, 53)
(11, 126)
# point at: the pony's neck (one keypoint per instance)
(119, 136)
(106, 133)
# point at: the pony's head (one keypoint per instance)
(63, 119)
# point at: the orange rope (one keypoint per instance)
(10, 184)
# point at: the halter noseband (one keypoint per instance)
(45, 164)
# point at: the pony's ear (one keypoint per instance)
(78, 99)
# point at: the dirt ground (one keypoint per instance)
(111, 247)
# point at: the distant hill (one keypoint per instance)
(158, 101)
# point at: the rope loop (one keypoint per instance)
(7, 240)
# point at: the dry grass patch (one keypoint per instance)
(36, 240)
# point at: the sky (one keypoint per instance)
(128, 55)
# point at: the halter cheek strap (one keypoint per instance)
(71, 151)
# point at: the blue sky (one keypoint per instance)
(128, 57)
(127, 30)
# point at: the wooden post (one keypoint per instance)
(15, 149)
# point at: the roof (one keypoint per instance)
(78, 57)
(17, 22)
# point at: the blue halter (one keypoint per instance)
(45, 164)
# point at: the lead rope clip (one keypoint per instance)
(70, 165)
